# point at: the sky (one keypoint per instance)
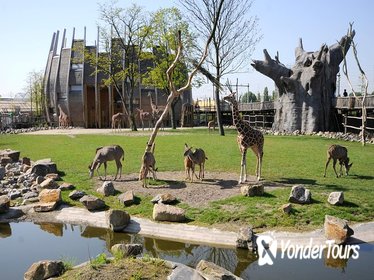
(26, 29)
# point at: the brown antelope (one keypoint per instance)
(197, 157)
(336, 152)
(105, 154)
(211, 125)
(189, 168)
(148, 165)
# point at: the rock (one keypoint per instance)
(286, 208)
(53, 176)
(252, 190)
(245, 238)
(30, 200)
(49, 184)
(26, 161)
(66, 187)
(211, 271)
(13, 155)
(127, 198)
(45, 207)
(5, 160)
(300, 195)
(2, 172)
(4, 204)
(43, 167)
(166, 198)
(117, 219)
(13, 194)
(107, 189)
(39, 179)
(25, 168)
(337, 229)
(47, 195)
(128, 249)
(44, 270)
(163, 212)
(29, 195)
(92, 203)
(336, 198)
(75, 195)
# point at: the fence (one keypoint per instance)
(264, 121)
(352, 122)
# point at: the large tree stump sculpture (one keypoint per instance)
(307, 89)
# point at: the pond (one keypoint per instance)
(22, 244)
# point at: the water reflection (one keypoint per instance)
(56, 241)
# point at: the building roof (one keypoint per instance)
(8, 105)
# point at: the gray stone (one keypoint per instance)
(66, 186)
(336, 198)
(13, 155)
(107, 189)
(211, 271)
(49, 183)
(299, 194)
(92, 203)
(44, 270)
(43, 167)
(45, 206)
(126, 198)
(252, 190)
(76, 194)
(181, 271)
(128, 249)
(245, 238)
(13, 194)
(117, 219)
(286, 208)
(29, 195)
(4, 204)
(337, 229)
(166, 198)
(163, 212)
(2, 172)
(39, 179)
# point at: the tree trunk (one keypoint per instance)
(172, 113)
(305, 91)
(131, 111)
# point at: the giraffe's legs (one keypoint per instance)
(258, 152)
(243, 167)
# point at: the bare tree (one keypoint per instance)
(174, 92)
(366, 82)
(233, 41)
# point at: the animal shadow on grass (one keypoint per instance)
(350, 204)
(227, 184)
(362, 177)
(297, 181)
(170, 184)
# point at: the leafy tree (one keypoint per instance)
(248, 97)
(234, 40)
(34, 91)
(266, 94)
(165, 24)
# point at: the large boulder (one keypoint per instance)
(127, 249)
(92, 203)
(252, 190)
(48, 200)
(166, 198)
(211, 271)
(336, 198)
(44, 269)
(4, 204)
(117, 219)
(163, 212)
(337, 229)
(126, 198)
(244, 238)
(299, 194)
(43, 167)
(107, 189)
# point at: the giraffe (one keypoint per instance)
(156, 110)
(117, 120)
(211, 124)
(248, 137)
(144, 116)
(63, 119)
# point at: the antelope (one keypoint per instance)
(105, 154)
(197, 157)
(117, 121)
(211, 124)
(148, 165)
(188, 167)
(336, 152)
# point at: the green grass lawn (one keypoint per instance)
(287, 159)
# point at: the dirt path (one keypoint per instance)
(215, 186)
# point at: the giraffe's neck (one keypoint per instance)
(237, 119)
